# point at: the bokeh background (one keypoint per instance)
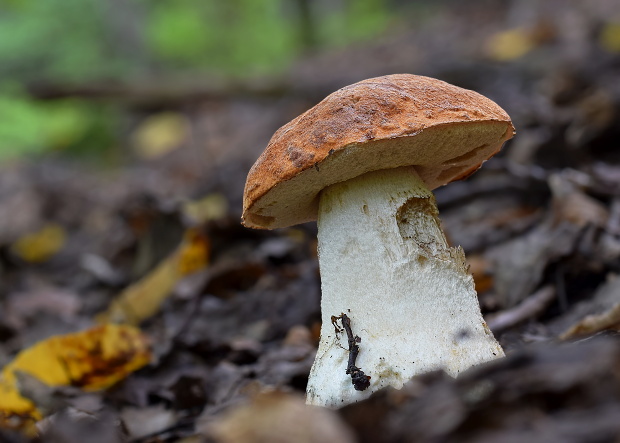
(127, 128)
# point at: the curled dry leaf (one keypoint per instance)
(91, 360)
(598, 313)
(594, 323)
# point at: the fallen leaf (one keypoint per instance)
(41, 245)
(193, 253)
(279, 417)
(519, 264)
(91, 360)
(160, 134)
(509, 45)
(143, 422)
(598, 312)
(594, 323)
(581, 210)
(144, 298)
(610, 37)
(211, 207)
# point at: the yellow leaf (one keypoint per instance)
(194, 252)
(93, 359)
(160, 134)
(509, 45)
(610, 37)
(144, 298)
(212, 207)
(40, 246)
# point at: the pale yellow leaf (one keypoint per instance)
(144, 298)
(41, 245)
(211, 207)
(509, 45)
(160, 134)
(610, 37)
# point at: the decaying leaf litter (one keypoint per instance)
(234, 341)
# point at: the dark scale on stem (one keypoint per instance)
(360, 380)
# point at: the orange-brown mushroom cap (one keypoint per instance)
(446, 132)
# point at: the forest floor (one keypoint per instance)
(235, 337)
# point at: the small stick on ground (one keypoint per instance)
(532, 306)
(360, 380)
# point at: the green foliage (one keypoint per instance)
(246, 37)
(358, 20)
(28, 126)
(21, 127)
(80, 40)
(66, 42)
(262, 39)
(233, 37)
(55, 40)
(177, 33)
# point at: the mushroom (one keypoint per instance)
(363, 163)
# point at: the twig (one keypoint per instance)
(360, 380)
(171, 92)
(528, 308)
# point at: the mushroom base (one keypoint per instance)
(386, 264)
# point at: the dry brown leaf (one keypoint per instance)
(594, 323)
(520, 263)
(280, 417)
(573, 205)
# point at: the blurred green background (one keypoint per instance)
(77, 76)
(61, 44)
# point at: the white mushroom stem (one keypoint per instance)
(386, 264)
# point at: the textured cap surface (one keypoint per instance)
(446, 132)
